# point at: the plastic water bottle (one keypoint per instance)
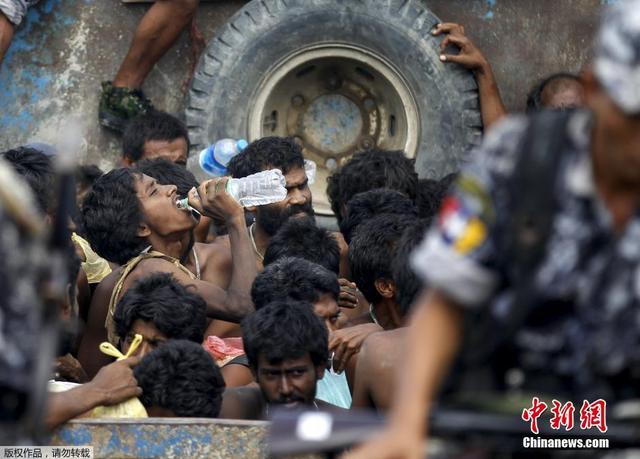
(265, 187)
(310, 169)
(213, 160)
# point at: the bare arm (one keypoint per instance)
(433, 340)
(432, 343)
(113, 384)
(235, 303)
(89, 354)
(491, 105)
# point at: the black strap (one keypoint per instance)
(532, 191)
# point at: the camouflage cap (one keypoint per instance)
(617, 54)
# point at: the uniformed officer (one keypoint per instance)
(584, 290)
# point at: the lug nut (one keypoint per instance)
(366, 143)
(297, 100)
(331, 164)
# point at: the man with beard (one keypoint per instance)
(286, 345)
(263, 154)
(273, 153)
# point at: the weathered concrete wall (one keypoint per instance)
(67, 47)
(526, 40)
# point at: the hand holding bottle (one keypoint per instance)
(212, 200)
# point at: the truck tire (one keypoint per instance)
(339, 76)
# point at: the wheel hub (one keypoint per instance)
(335, 100)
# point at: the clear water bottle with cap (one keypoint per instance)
(265, 187)
(213, 160)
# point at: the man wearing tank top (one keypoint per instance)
(133, 221)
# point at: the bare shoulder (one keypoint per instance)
(241, 403)
(106, 285)
(379, 346)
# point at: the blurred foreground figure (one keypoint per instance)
(536, 251)
(21, 258)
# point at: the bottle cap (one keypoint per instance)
(241, 144)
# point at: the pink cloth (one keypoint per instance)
(223, 349)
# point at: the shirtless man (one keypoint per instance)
(264, 154)
(286, 345)
(127, 212)
(155, 135)
(381, 354)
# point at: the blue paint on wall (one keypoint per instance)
(490, 5)
(28, 73)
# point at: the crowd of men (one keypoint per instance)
(529, 265)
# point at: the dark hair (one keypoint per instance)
(37, 170)
(295, 279)
(300, 237)
(534, 98)
(111, 215)
(368, 170)
(431, 193)
(161, 300)
(168, 173)
(153, 125)
(368, 204)
(182, 377)
(87, 175)
(285, 330)
(267, 153)
(408, 283)
(372, 249)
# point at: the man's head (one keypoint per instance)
(300, 237)
(276, 153)
(180, 379)
(431, 193)
(160, 309)
(37, 170)
(297, 279)
(369, 170)
(168, 173)
(408, 283)
(287, 348)
(613, 95)
(370, 253)
(155, 135)
(559, 91)
(127, 211)
(86, 176)
(366, 205)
